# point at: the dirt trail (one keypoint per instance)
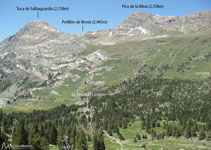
(116, 140)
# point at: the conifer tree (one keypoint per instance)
(53, 135)
(202, 134)
(3, 140)
(134, 140)
(73, 137)
(187, 133)
(1, 115)
(20, 136)
(81, 141)
(153, 133)
(138, 136)
(98, 141)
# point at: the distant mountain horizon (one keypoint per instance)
(138, 12)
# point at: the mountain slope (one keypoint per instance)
(141, 25)
(40, 55)
(42, 67)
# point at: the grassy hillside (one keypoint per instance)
(165, 144)
(185, 57)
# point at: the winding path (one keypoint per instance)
(114, 139)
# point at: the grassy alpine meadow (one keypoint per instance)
(184, 57)
(169, 143)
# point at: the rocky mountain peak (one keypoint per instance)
(37, 31)
(33, 33)
(37, 27)
(141, 25)
(137, 18)
(37, 49)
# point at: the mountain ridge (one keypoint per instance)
(138, 23)
(41, 60)
(142, 25)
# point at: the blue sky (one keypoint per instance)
(111, 10)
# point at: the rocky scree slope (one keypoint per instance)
(142, 26)
(46, 55)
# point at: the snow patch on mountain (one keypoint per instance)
(110, 34)
(144, 31)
